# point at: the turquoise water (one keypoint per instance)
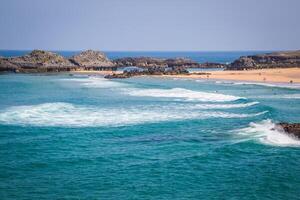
(84, 137)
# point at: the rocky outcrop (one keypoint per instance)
(150, 71)
(39, 58)
(270, 60)
(290, 128)
(7, 66)
(36, 61)
(45, 61)
(91, 58)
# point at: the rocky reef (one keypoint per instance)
(283, 59)
(290, 128)
(150, 71)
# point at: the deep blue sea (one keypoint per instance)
(68, 136)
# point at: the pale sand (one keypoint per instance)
(278, 75)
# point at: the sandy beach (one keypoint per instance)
(278, 75)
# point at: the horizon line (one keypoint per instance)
(149, 50)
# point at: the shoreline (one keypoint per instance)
(275, 75)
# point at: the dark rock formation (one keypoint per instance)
(269, 60)
(91, 60)
(212, 65)
(150, 71)
(146, 62)
(291, 128)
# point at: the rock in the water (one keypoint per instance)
(291, 128)
(269, 60)
(150, 71)
(117, 76)
(91, 58)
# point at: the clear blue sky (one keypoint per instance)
(177, 25)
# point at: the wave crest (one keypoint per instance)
(189, 95)
(96, 82)
(69, 115)
(267, 133)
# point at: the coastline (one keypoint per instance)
(275, 75)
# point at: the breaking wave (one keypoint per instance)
(277, 85)
(185, 94)
(70, 115)
(225, 106)
(267, 133)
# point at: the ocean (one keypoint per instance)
(68, 136)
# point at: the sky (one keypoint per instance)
(150, 25)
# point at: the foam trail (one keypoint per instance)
(184, 94)
(69, 115)
(278, 85)
(225, 106)
(290, 96)
(96, 82)
(267, 133)
(279, 96)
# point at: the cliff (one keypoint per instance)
(283, 59)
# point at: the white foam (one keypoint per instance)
(290, 96)
(183, 94)
(96, 82)
(69, 115)
(279, 96)
(278, 85)
(267, 133)
(225, 106)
